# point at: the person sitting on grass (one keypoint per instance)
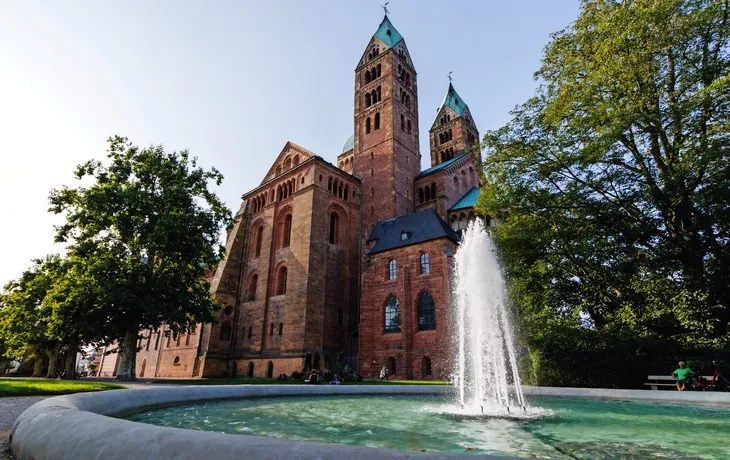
(313, 378)
(338, 380)
(682, 374)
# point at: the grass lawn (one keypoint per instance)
(34, 387)
(263, 381)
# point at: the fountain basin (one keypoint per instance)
(82, 426)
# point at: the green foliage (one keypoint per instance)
(24, 387)
(24, 317)
(614, 183)
(138, 236)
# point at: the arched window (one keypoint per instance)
(176, 361)
(250, 332)
(433, 190)
(270, 370)
(281, 328)
(456, 184)
(271, 330)
(425, 366)
(428, 194)
(391, 269)
(251, 290)
(286, 231)
(367, 76)
(420, 195)
(425, 264)
(402, 122)
(257, 241)
(377, 120)
(367, 125)
(250, 369)
(225, 333)
(377, 91)
(392, 315)
(426, 312)
(287, 164)
(408, 80)
(367, 99)
(374, 96)
(296, 160)
(408, 101)
(281, 281)
(409, 127)
(278, 170)
(334, 227)
(377, 71)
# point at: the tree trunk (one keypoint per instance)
(71, 361)
(52, 359)
(38, 367)
(127, 368)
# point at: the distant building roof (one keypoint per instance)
(454, 101)
(418, 227)
(441, 166)
(349, 144)
(469, 200)
(387, 33)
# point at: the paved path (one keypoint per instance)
(10, 409)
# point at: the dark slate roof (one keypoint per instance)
(349, 144)
(469, 200)
(440, 166)
(420, 226)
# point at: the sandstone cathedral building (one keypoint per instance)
(346, 262)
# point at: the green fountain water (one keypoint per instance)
(566, 429)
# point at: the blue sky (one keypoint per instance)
(231, 81)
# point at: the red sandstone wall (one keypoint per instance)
(409, 346)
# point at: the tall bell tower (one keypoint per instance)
(386, 152)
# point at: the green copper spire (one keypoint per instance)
(387, 34)
(454, 101)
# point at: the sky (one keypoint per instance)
(230, 81)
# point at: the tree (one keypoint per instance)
(139, 235)
(614, 179)
(24, 317)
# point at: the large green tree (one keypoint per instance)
(138, 235)
(614, 179)
(24, 317)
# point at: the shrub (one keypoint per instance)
(296, 375)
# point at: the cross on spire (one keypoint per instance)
(449, 75)
(385, 8)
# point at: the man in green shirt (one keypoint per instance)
(682, 375)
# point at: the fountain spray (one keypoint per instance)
(486, 364)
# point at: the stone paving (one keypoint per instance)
(10, 409)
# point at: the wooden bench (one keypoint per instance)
(654, 381)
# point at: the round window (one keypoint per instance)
(228, 310)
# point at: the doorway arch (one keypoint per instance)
(391, 366)
(250, 369)
(270, 370)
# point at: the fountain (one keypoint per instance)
(486, 366)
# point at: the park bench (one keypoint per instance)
(654, 381)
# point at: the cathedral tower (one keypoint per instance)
(386, 153)
(453, 131)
